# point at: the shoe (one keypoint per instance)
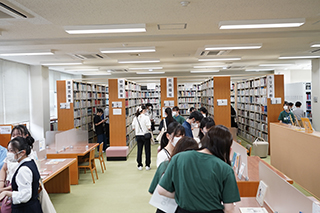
(148, 168)
(140, 168)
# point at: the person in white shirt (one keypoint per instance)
(168, 141)
(141, 124)
(25, 181)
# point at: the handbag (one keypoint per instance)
(163, 130)
(147, 135)
(46, 204)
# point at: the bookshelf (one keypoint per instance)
(254, 107)
(214, 90)
(121, 116)
(152, 96)
(85, 101)
(232, 94)
(188, 96)
(300, 91)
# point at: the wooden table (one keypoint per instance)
(57, 176)
(249, 188)
(249, 202)
(75, 152)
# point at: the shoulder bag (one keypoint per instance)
(163, 130)
(147, 135)
(46, 204)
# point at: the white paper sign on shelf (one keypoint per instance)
(270, 86)
(4, 130)
(121, 89)
(222, 102)
(116, 104)
(151, 86)
(69, 92)
(63, 105)
(68, 105)
(170, 88)
(117, 111)
(275, 100)
(261, 193)
(42, 144)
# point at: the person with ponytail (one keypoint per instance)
(25, 180)
(203, 180)
(9, 167)
(141, 124)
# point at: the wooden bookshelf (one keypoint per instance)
(152, 96)
(86, 99)
(212, 91)
(121, 132)
(164, 98)
(255, 111)
(188, 96)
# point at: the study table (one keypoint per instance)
(249, 188)
(74, 152)
(249, 202)
(55, 174)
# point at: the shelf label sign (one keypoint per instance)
(170, 88)
(69, 93)
(121, 89)
(270, 86)
(5, 130)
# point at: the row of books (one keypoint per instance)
(88, 95)
(186, 105)
(253, 83)
(259, 91)
(132, 94)
(207, 100)
(308, 96)
(89, 87)
(206, 84)
(252, 107)
(189, 87)
(207, 93)
(132, 86)
(85, 103)
(187, 93)
(150, 100)
(191, 99)
(253, 100)
(132, 102)
(150, 94)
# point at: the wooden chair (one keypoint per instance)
(99, 156)
(90, 164)
(249, 148)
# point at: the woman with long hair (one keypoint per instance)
(168, 118)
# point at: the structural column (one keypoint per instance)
(315, 92)
(39, 101)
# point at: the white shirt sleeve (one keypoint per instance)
(162, 156)
(24, 181)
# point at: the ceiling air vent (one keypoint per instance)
(84, 56)
(204, 53)
(315, 51)
(8, 12)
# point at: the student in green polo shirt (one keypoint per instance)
(285, 115)
(176, 115)
(200, 180)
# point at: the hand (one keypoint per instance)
(2, 195)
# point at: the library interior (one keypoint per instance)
(84, 83)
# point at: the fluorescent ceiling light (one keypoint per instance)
(234, 47)
(60, 63)
(203, 71)
(205, 67)
(275, 65)
(219, 59)
(97, 73)
(138, 61)
(267, 23)
(146, 68)
(147, 73)
(315, 45)
(81, 70)
(116, 28)
(31, 53)
(300, 57)
(128, 50)
(258, 70)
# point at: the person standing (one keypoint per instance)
(204, 112)
(286, 116)
(141, 124)
(106, 125)
(298, 112)
(168, 118)
(176, 115)
(193, 120)
(98, 122)
(25, 181)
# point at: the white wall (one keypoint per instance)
(300, 76)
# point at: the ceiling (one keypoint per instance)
(178, 49)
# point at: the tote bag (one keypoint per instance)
(163, 130)
(46, 204)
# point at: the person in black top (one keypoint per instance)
(168, 118)
(98, 122)
(233, 117)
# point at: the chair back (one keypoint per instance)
(91, 156)
(249, 148)
(100, 149)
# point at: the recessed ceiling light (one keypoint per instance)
(60, 63)
(97, 73)
(175, 26)
(128, 50)
(29, 53)
(300, 57)
(138, 61)
(82, 69)
(233, 47)
(146, 73)
(267, 23)
(112, 28)
(205, 67)
(315, 45)
(146, 68)
(219, 59)
(275, 65)
(204, 71)
(258, 70)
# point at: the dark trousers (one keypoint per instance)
(102, 138)
(107, 135)
(180, 210)
(141, 141)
